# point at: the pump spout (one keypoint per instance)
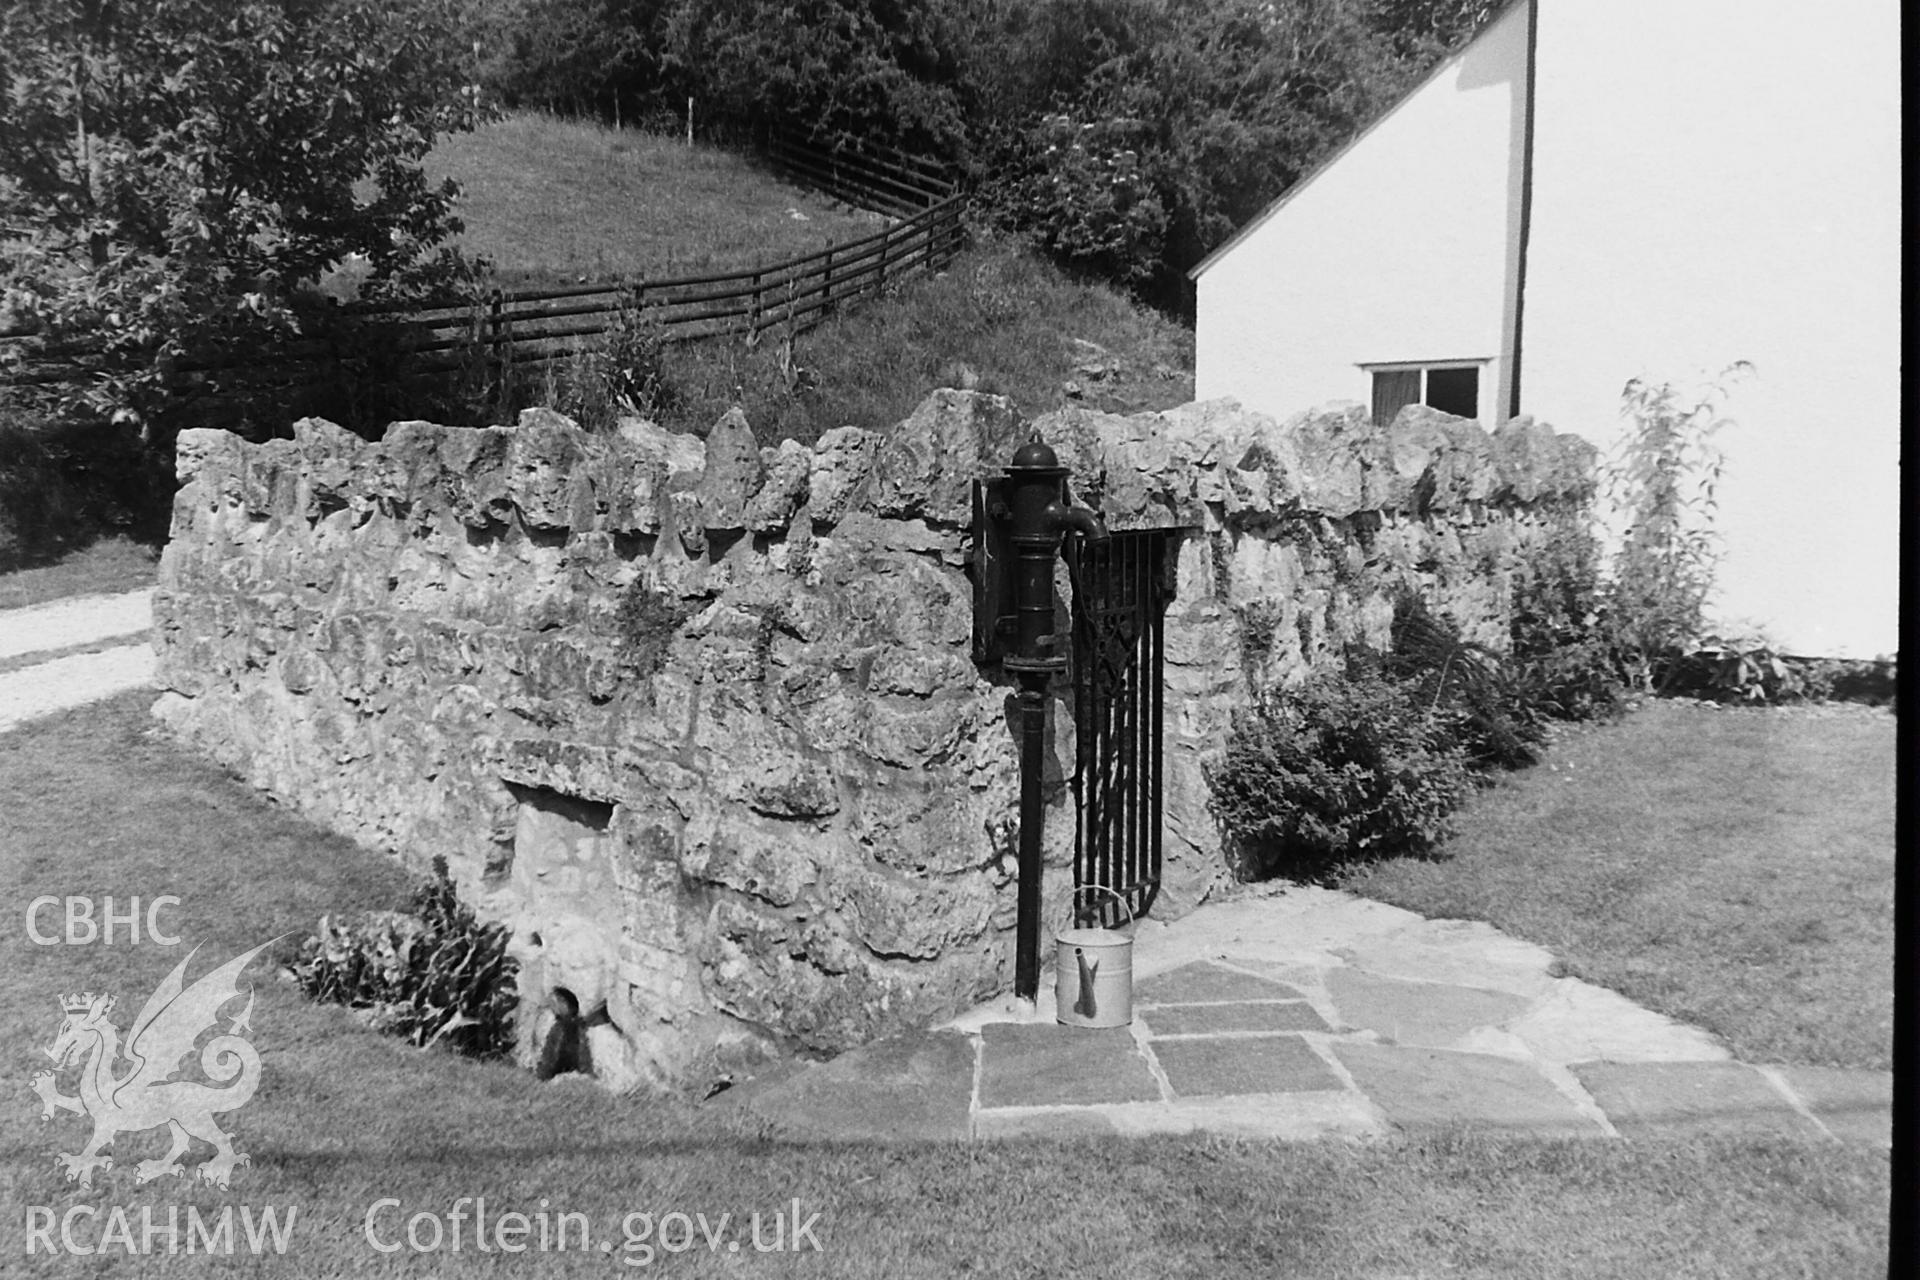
(1082, 520)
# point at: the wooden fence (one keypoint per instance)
(876, 178)
(541, 324)
(518, 327)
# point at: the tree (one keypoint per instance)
(1199, 113)
(173, 171)
(576, 57)
(871, 71)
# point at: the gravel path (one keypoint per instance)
(65, 680)
(80, 620)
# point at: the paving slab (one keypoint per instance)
(1467, 952)
(1039, 1064)
(1645, 1099)
(1426, 1088)
(1302, 972)
(1243, 1064)
(1856, 1106)
(1417, 1013)
(1213, 1019)
(912, 1087)
(1579, 1022)
(1289, 921)
(1207, 983)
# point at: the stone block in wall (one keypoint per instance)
(733, 476)
(788, 471)
(1534, 463)
(926, 465)
(906, 825)
(1264, 483)
(774, 862)
(770, 971)
(911, 917)
(842, 463)
(1336, 446)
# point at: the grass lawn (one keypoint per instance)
(552, 201)
(1730, 867)
(112, 564)
(346, 1118)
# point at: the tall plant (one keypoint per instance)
(1662, 491)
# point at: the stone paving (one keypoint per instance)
(1306, 1013)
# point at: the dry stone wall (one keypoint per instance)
(699, 718)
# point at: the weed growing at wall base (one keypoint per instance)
(433, 973)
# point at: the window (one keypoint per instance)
(1453, 388)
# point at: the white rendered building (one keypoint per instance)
(1596, 190)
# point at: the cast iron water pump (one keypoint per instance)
(1024, 518)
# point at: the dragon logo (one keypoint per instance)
(144, 1094)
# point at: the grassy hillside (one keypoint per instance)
(998, 318)
(549, 199)
(557, 200)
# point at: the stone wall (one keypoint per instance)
(699, 718)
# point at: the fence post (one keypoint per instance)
(885, 232)
(753, 314)
(497, 353)
(826, 289)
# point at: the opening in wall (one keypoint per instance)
(1451, 386)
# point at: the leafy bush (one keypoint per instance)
(1348, 764)
(1086, 197)
(1467, 689)
(1748, 670)
(1873, 681)
(431, 973)
(1561, 660)
(1743, 670)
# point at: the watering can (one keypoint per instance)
(1093, 972)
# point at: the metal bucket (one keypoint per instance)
(1093, 972)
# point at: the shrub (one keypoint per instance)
(1748, 670)
(1745, 670)
(431, 973)
(1873, 681)
(1347, 765)
(1561, 661)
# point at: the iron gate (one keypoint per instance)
(1120, 592)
